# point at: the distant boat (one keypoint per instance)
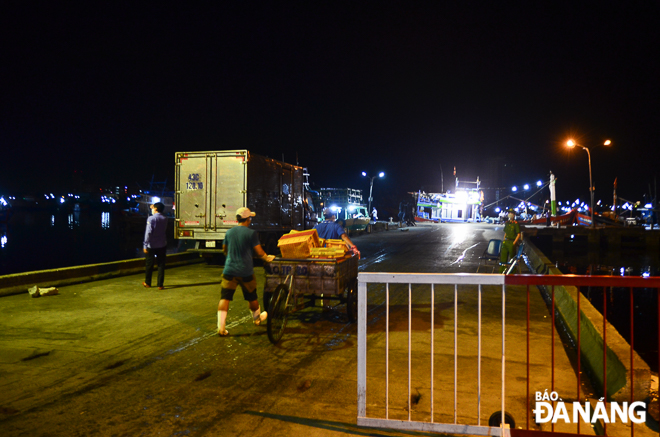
(5, 210)
(345, 202)
(573, 217)
(157, 192)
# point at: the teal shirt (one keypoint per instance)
(240, 242)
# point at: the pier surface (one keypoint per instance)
(110, 357)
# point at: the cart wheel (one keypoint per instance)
(351, 302)
(277, 313)
(266, 300)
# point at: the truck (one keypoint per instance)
(211, 186)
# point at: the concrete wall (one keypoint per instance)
(591, 337)
(20, 282)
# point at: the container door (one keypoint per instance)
(192, 190)
(230, 182)
(211, 186)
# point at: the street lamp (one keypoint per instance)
(571, 144)
(371, 186)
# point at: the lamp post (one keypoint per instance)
(571, 144)
(371, 186)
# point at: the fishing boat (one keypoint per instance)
(347, 206)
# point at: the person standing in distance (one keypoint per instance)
(155, 245)
(512, 236)
(329, 229)
(238, 247)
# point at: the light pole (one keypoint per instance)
(371, 187)
(571, 144)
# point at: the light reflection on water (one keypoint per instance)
(65, 238)
(74, 219)
(105, 220)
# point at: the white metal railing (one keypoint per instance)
(432, 279)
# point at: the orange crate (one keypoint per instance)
(298, 244)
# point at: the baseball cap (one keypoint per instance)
(244, 212)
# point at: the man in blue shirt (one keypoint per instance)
(329, 229)
(155, 244)
(239, 245)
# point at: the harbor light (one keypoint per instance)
(371, 186)
(570, 143)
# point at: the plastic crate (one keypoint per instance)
(298, 245)
(324, 252)
(335, 244)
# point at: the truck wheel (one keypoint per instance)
(215, 259)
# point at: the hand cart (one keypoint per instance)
(294, 284)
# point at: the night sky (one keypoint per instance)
(410, 88)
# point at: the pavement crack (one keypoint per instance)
(37, 355)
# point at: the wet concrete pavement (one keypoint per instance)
(112, 358)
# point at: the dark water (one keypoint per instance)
(48, 239)
(574, 258)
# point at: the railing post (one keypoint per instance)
(503, 351)
(387, 352)
(479, 361)
(579, 352)
(632, 360)
(362, 350)
(605, 352)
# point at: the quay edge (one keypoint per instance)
(20, 282)
(591, 337)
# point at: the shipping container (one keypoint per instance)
(211, 186)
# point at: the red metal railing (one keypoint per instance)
(606, 282)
